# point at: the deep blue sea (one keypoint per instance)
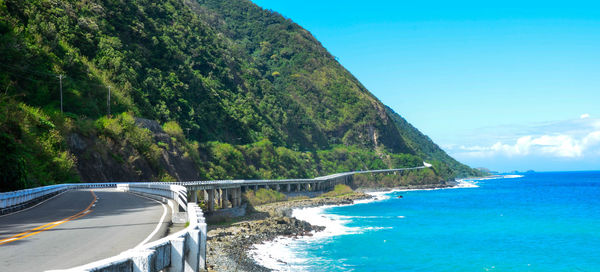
(538, 222)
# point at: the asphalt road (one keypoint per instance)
(75, 228)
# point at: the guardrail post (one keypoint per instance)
(177, 255)
(142, 261)
(202, 253)
(193, 254)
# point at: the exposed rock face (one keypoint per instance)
(105, 160)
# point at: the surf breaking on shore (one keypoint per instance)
(283, 254)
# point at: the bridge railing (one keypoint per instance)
(182, 251)
(16, 200)
(172, 191)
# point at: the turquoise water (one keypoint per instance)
(540, 222)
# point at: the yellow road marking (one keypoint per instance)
(50, 225)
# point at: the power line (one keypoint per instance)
(17, 72)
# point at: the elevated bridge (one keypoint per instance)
(181, 251)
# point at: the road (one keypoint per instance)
(78, 227)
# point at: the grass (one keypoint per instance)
(301, 197)
(339, 190)
(264, 196)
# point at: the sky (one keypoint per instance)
(507, 85)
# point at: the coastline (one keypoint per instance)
(271, 254)
(233, 247)
(229, 245)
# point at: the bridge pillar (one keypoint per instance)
(211, 199)
(238, 197)
(195, 196)
(219, 197)
(298, 187)
(230, 193)
(288, 187)
(255, 187)
(277, 187)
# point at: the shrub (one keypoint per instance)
(173, 129)
(165, 177)
(263, 196)
(339, 190)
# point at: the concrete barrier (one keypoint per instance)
(179, 252)
(176, 192)
(184, 250)
(17, 200)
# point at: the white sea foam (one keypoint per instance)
(377, 196)
(463, 183)
(512, 176)
(281, 254)
(377, 228)
(334, 224)
(272, 254)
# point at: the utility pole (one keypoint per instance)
(60, 77)
(108, 102)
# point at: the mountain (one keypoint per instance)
(198, 90)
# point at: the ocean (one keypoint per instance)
(536, 222)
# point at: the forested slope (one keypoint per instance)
(222, 87)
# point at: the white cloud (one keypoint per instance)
(557, 145)
(575, 140)
(585, 115)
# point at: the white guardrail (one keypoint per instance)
(183, 251)
(176, 192)
(16, 200)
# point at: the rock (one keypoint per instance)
(229, 245)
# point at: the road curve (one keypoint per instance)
(74, 228)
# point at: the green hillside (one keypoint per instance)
(199, 90)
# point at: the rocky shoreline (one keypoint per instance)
(228, 244)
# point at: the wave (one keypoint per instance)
(280, 254)
(464, 183)
(512, 176)
(334, 224)
(377, 196)
(377, 228)
(283, 253)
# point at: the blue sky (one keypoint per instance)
(506, 85)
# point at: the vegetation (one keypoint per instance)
(264, 160)
(242, 91)
(32, 147)
(339, 190)
(413, 177)
(263, 196)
